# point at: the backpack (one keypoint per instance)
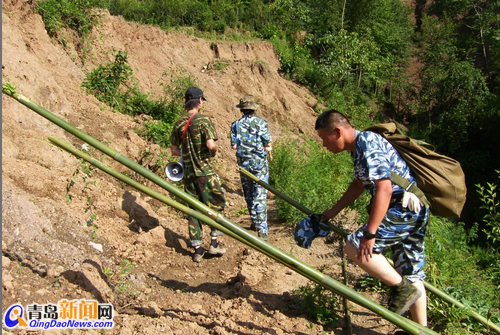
(440, 179)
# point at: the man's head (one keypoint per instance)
(336, 131)
(194, 93)
(247, 104)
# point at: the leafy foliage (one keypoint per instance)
(77, 15)
(310, 175)
(491, 204)
(115, 85)
(320, 304)
(451, 262)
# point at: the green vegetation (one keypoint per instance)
(440, 77)
(114, 85)
(78, 16)
(311, 176)
(320, 304)
(86, 173)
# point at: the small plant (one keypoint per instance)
(221, 65)
(86, 172)
(488, 196)
(242, 211)
(118, 277)
(369, 283)
(105, 81)
(320, 304)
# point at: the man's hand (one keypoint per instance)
(365, 250)
(328, 214)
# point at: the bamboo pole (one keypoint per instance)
(440, 294)
(251, 240)
(219, 222)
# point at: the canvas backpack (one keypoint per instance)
(440, 179)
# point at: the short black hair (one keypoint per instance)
(330, 119)
(191, 104)
(247, 111)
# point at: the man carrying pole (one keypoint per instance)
(195, 135)
(397, 220)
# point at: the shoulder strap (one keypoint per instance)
(186, 127)
(406, 184)
(409, 187)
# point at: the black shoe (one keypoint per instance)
(401, 332)
(198, 254)
(403, 296)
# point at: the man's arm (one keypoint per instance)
(352, 193)
(380, 205)
(212, 146)
(176, 151)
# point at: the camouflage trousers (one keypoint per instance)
(208, 190)
(256, 199)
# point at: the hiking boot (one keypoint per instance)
(263, 236)
(403, 295)
(198, 255)
(216, 251)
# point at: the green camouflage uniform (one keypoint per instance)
(200, 179)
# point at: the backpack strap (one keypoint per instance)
(409, 187)
(406, 184)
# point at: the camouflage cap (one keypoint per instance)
(248, 102)
(310, 228)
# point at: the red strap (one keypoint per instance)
(186, 127)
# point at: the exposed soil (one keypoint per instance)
(47, 254)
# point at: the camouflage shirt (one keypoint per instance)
(250, 134)
(195, 153)
(374, 158)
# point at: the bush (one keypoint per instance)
(451, 263)
(77, 15)
(310, 175)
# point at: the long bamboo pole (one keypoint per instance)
(297, 266)
(251, 240)
(440, 294)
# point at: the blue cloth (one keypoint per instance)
(310, 228)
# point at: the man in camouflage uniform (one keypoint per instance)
(195, 135)
(397, 219)
(251, 138)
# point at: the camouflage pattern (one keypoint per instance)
(208, 190)
(401, 230)
(248, 102)
(310, 228)
(256, 199)
(195, 154)
(200, 179)
(375, 158)
(249, 135)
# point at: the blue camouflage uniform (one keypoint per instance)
(401, 229)
(249, 135)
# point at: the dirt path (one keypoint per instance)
(133, 253)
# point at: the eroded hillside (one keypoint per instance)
(144, 267)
